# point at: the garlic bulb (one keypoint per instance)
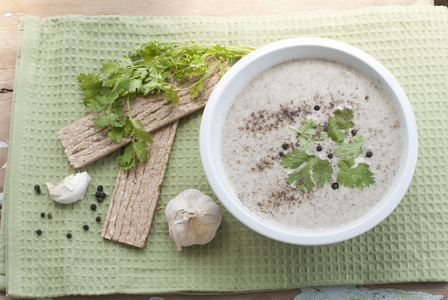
(193, 218)
(71, 189)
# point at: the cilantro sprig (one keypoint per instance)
(313, 171)
(145, 71)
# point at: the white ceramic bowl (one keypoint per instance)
(258, 61)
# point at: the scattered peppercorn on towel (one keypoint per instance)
(410, 245)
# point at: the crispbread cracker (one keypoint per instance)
(83, 144)
(136, 193)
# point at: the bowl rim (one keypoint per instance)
(307, 237)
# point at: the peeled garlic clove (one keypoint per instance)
(71, 189)
(193, 218)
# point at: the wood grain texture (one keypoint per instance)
(11, 10)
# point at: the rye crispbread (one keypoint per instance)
(136, 192)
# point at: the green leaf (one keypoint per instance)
(140, 150)
(322, 171)
(333, 131)
(295, 159)
(101, 120)
(310, 132)
(100, 102)
(127, 159)
(116, 115)
(339, 124)
(196, 89)
(115, 133)
(134, 151)
(140, 131)
(302, 179)
(92, 86)
(141, 73)
(350, 148)
(128, 128)
(358, 177)
(315, 169)
(125, 62)
(150, 87)
(172, 95)
(110, 68)
(135, 85)
(90, 81)
(344, 118)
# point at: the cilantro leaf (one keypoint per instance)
(136, 150)
(350, 148)
(110, 67)
(115, 134)
(338, 125)
(140, 150)
(110, 117)
(310, 132)
(140, 131)
(302, 179)
(92, 86)
(358, 177)
(322, 171)
(135, 85)
(295, 159)
(315, 171)
(101, 120)
(127, 158)
(90, 81)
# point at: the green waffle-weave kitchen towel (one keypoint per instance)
(410, 245)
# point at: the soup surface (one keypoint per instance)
(257, 136)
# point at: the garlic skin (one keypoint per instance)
(71, 189)
(193, 218)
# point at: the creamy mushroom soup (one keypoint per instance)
(257, 136)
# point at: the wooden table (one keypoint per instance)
(12, 10)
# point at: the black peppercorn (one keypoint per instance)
(330, 155)
(319, 148)
(98, 218)
(98, 194)
(285, 146)
(49, 216)
(354, 131)
(316, 107)
(369, 154)
(38, 232)
(85, 227)
(69, 235)
(99, 199)
(37, 189)
(281, 154)
(93, 207)
(103, 195)
(335, 186)
(42, 215)
(99, 188)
